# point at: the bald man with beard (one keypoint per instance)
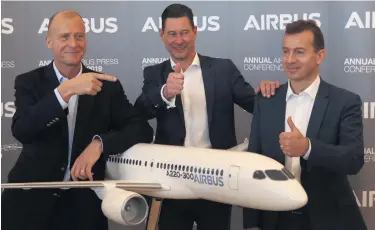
(69, 119)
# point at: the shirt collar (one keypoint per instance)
(195, 62)
(60, 77)
(312, 90)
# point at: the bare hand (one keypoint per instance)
(84, 163)
(175, 83)
(86, 83)
(293, 143)
(267, 88)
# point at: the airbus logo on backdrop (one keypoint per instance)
(369, 155)
(359, 65)
(95, 25)
(149, 61)
(368, 110)
(95, 64)
(7, 26)
(277, 21)
(203, 23)
(366, 199)
(263, 64)
(362, 20)
(8, 109)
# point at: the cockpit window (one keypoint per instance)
(259, 175)
(274, 174)
(287, 173)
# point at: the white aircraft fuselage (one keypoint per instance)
(238, 178)
(243, 179)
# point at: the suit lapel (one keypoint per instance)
(209, 85)
(316, 118)
(279, 117)
(51, 82)
(318, 110)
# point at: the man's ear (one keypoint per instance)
(161, 33)
(321, 56)
(48, 42)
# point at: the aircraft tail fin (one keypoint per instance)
(241, 147)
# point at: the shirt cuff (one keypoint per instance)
(306, 156)
(97, 137)
(63, 104)
(171, 102)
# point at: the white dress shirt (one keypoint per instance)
(194, 105)
(299, 107)
(72, 107)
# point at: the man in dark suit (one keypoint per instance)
(315, 130)
(192, 97)
(69, 120)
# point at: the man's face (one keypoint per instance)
(67, 40)
(300, 60)
(179, 38)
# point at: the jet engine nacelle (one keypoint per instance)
(124, 207)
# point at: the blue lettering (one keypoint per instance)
(215, 180)
(203, 177)
(221, 183)
(209, 180)
(196, 178)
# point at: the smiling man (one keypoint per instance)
(69, 120)
(314, 129)
(192, 97)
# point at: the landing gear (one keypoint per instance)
(153, 217)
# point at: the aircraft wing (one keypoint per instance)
(129, 185)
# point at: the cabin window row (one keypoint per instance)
(166, 166)
(126, 161)
(191, 169)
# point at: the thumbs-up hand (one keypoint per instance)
(293, 143)
(175, 83)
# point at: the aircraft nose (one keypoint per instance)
(298, 196)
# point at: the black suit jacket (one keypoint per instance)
(224, 86)
(40, 124)
(336, 134)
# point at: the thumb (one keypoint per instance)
(292, 126)
(177, 68)
(257, 89)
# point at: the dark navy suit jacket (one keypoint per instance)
(336, 133)
(41, 125)
(224, 86)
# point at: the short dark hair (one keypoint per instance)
(177, 11)
(307, 25)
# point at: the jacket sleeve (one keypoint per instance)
(243, 92)
(33, 114)
(150, 100)
(347, 157)
(251, 217)
(128, 126)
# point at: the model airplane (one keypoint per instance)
(228, 176)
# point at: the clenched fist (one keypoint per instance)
(86, 83)
(175, 83)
